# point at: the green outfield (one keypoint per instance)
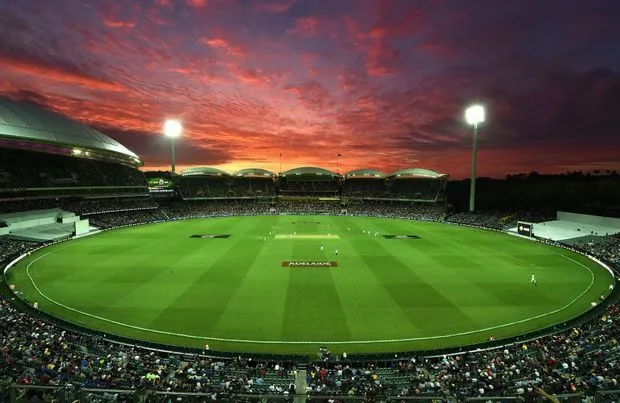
(186, 283)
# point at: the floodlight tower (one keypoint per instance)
(474, 115)
(172, 130)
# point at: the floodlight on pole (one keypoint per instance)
(173, 129)
(474, 115)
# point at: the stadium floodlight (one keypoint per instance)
(173, 129)
(474, 115)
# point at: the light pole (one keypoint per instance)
(474, 115)
(172, 130)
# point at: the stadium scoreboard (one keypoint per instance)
(525, 228)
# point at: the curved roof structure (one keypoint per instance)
(254, 172)
(364, 173)
(20, 120)
(204, 171)
(309, 171)
(416, 173)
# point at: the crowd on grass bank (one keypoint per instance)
(584, 359)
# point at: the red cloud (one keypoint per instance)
(223, 45)
(274, 6)
(363, 85)
(54, 73)
(311, 95)
(196, 3)
(250, 76)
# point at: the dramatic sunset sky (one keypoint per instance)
(382, 82)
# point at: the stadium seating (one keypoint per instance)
(206, 186)
(372, 188)
(42, 359)
(28, 169)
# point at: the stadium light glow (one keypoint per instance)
(474, 115)
(173, 129)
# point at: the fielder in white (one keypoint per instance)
(533, 279)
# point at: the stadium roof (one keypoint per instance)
(364, 173)
(20, 120)
(416, 173)
(203, 171)
(254, 172)
(309, 171)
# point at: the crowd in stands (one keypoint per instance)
(225, 187)
(363, 188)
(214, 208)
(607, 247)
(416, 211)
(417, 189)
(36, 352)
(7, 207)
(12, 249)
(87, 207)
(400, 188)
(290, 186)
(119, 219)
(28, 169)
(584, 359)
(498, 220)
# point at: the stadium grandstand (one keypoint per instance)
(200, 183)
(54, 170)
(308, 181)
(61, 180)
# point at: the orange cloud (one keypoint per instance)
(223, 45)
(112, 23)
(52, 73)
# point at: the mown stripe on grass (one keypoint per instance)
(313, 308)
(198, 309)
(409, 291)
